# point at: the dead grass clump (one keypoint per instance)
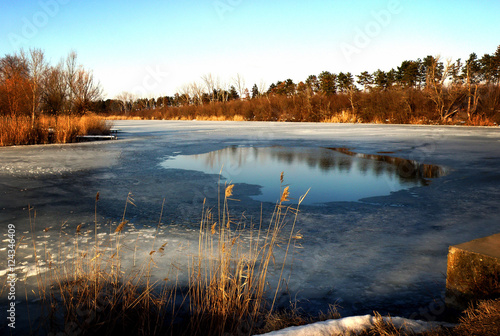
(342, 117)
(385, 327)
(480, 320)
(292, 317)
(478, 120)
(118, 308)
(284, 319)
(484, 319)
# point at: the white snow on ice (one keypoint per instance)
(353, 324)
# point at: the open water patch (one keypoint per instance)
(331, 174)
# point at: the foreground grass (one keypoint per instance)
(481, 319)
(19, 130)
(228, 291)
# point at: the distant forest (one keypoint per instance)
(422, 91)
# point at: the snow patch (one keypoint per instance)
(352, 324)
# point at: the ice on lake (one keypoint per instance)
(378, 241)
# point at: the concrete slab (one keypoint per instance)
(473, 271)
(489, 246)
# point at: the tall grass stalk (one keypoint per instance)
(229, 277)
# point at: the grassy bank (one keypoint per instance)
(20, 130)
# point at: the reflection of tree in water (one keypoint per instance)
(379, 168)
(364, 166)
(326, 160)
(311, 162)
(326, 163)
(406, 169)
(288, 157)
(215, 159)
(344, 164)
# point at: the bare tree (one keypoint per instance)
(472, 70)
(262, 87)
(54, 91)
(70, 76)
(185, 94)
(239, 83)
(210, 85)
(37, 67)
(196, 91)
(444, 96)
(85, 90)
(127, 99)
(222, 90)
(82, 88)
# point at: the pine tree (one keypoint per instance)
(327, 83)
(255, 91)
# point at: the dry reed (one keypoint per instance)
(226, 293)
(229, 277)
(342, 117)
(19, 130)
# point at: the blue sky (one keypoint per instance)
(154, 47)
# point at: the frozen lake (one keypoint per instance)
(372, 241)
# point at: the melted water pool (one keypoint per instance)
(332, 174)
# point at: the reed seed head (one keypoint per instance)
(282, 177)
(285, 195)
(119, 228)
(229, 190)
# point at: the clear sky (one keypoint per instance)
(154, 47)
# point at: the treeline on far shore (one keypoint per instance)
(422, 91)
(401, 106)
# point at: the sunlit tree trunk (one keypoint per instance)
(37, 70)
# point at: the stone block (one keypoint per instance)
(473, 272)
